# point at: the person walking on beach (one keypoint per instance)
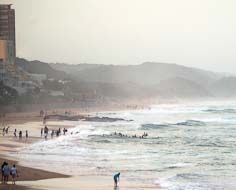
(59, 131)
(20, 134)
(7, 129)
(116, 179)
(41, 132)
(14, 174)
(15, 133)
(64, 131)
(3, 131)
(6, 172)
(3, 164)
(26, 134)
(45, 132)
(52, 133)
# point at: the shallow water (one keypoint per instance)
(189, 147)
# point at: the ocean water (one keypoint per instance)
(189, 147)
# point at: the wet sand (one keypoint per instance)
(27, 174)
(15, 187)
(8, 144)
(31, 174)
(88, 183)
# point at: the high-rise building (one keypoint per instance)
(7, 34)
(10, 74)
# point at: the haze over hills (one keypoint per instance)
(148, 73)
(225, 87)
(152, 79)
(145, 81)
(38, 67)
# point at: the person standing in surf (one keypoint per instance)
(116, 179)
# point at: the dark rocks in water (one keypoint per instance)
(192, 123)
(64, 117)
(85, 118)
(104, 119)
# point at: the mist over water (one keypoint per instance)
(189, 147)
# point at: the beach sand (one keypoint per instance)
(87, 183)
(27, 174)
(35, 179)
(31, 174)
(15, 187)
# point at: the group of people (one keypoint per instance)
(5, 131)
(21, 134)
(8, 171)
(57, 133)
(132, 136)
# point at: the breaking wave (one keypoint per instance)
(150, 126)
(229, 110)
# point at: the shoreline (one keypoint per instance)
(76, 113)
(10, 144)
(31, 174)
(36, 179)
(81, 108)
(27, 174)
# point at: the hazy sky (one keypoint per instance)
(199, 33)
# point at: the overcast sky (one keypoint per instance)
(199, 33)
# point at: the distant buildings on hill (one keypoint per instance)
(10, 74)
(7, 43)
(7, 34)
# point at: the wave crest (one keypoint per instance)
(150, 126)
(229, 110)
(192, 123)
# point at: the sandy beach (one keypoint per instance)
(86, 183)
(27, 174)
(8, 144)
(37, 179)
